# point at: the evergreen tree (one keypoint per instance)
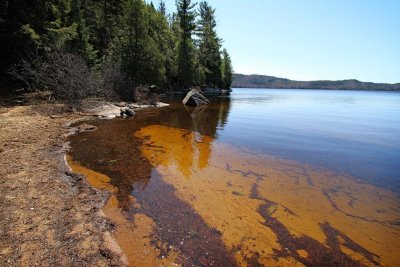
(172, 65)
(162, 9)
(150, 46)
(227, 70)
(161, 32)
(140, 55)
(83, 43)
(48, 25)
(104, 22)
(209, 46)
(186, 58)
(13, 41)
(110, 22)
(33, 27)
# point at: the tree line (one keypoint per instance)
(121, 42)
(263, 81)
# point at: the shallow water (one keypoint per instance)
(265, 177)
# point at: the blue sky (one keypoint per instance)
(311, 39)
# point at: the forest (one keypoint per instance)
(263, 81)
(81, 48)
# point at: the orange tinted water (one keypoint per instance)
(187, 191)
(267, 207)
(262, 209)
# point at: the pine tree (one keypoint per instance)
(41, 26)
(186, 61)
(150, 46)
(161, 32)
(109, 23)
(172, 61)
(162, 9)
(104, 22)
(140, 55)
(209, 45)
(48, 25)
(83, 43)
(227, 70)
(13, 40)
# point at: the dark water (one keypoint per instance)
(199, 175)
(348, 131)
(353, 132)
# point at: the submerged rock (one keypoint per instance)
(80, 129)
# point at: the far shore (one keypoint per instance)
(271, 82)
(319, 89)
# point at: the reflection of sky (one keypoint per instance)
(342, 129)
(371, 118)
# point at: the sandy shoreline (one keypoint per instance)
(50, 216)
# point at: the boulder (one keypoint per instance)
(127, 112)
(145, 95)
(195, 98)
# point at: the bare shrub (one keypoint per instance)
(64, 74)
(145, 95)
(115, 81)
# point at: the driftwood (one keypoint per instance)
(195, 98)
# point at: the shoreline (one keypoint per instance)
(95, 228)
(108, 240)
(123, 240)
(50, 215)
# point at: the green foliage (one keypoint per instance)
(227, 70)
(186, 57)
(163, 36)
(138, 47)
(147, 45)
(162, 9)
(82, 43)
(209, 46)
(104, 20)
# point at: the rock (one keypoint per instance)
(195, 98)
(86, 128)
(146, 95)
(113, 110)
(107, 111)
(79, 129)
(121, 104)
(127, 112)
(161, 104)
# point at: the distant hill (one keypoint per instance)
(262, 81)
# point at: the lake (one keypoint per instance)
(349, 131)
(263, 177)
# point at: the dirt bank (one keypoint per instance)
(48, 216)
